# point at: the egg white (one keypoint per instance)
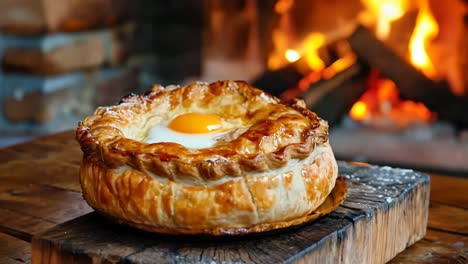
(161, 133)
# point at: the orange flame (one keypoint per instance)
(381, 103)
(310, 48)
(383, 13)
(425, 30)
(283, 6)
(282, 35)
(286, 49)
(359, 111)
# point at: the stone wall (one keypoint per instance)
(59, 61)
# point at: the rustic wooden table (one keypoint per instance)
(39, 189)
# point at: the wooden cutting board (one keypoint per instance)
(386, 211)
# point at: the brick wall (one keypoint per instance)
(42, 104)
(62, 60)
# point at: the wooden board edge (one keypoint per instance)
(404, 223)
(46, 252)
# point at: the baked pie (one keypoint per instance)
(219, 158)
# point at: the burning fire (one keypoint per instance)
(292, 55)
(282, 37)
(425, 30)
(383, 13)
(308, 49)
(381, 104)
(286, 50)
(381, 101)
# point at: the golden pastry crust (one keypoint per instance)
(255, 203)
(276, 132)
(273, 171)
(333, 200)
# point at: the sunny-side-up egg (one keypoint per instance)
(192, 130)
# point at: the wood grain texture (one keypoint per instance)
(449, 219)
(449, 190)
(52, 204)
(39, 185)
(61, 145)
(14, 250)
(386, 211)
(433, 252)
(56, 174)
(22, 225)
(51, 160)
(445, 237)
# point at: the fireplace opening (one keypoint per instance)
(389, 76)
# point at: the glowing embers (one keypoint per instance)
(381, 106)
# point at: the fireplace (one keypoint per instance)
(389, 76)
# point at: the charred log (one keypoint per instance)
(412, 83)
(332, 98)
(276, 82)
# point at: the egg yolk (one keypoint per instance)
(195, 123)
